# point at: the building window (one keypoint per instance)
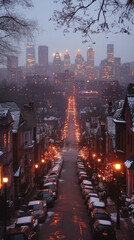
(9, 141)
(26, 139)
(5, 142)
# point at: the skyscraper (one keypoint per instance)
(90, 57)
(57, 63)
(66, 60)
(30, 56)
(79, 64)
(110, 53)
(90, 64)
(12, 69)
(43, 55)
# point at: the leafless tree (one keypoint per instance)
(13, 25)
(95, 16)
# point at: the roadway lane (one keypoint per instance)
(68, 219)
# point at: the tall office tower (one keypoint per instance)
(110, 53)
(12, 69)
(90, 56)
(43, 55)
(117, 68)
(90, 64)
(57, 63)
(79, 64)
(67, 61)
(106, 70)
(30, 56)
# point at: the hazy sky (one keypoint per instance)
(56, 41)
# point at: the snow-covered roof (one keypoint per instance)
(17, 173)
(51, 118)
(16, 118)
(111, 125)
(3, 113)
(14, 110)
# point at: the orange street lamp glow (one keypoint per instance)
(99, 160)
(5, 179)
(94, 155)
(36, 166)
(42, 160)
(117, 166)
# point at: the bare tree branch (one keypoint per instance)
(13, 26)
(95, 16)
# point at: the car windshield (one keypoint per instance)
(46, 194)
(18, 236)
(101, 216)
(106, 228)
(35, 207)
(24, 224)
(50, 187)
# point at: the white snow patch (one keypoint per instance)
(128, 163)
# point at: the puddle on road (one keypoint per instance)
(56, 219)
(56, 235)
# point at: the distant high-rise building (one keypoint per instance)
(43, 55)
(57, 63)
(66, 61)
(30, 56)
(110, 52)
(106, 70)
(12, 69)
(117, 68)
(90, 64)
(90, 57)
(79, 64)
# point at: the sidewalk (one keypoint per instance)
(124, 233)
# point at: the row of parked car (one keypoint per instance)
(27, 225)
(99, 219)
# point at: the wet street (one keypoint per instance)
(68, 219)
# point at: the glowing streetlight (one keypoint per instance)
(5, 182)
(36, 166)
(117, 167)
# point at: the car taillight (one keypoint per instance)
(104, 233)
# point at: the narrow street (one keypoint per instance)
(68, 219)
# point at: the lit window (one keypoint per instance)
(5, 142)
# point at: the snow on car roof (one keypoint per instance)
(94, 199)
(99, 204)
(104, 222)
(34, 202)
(26, 219)
(86, 182)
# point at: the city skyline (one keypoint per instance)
(57, 42)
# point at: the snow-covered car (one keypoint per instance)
(96, 204)
(29, 221)
(20, 233)
(103, 230)
(38, 209)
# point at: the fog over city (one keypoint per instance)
(67, 119)
(56, 41)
